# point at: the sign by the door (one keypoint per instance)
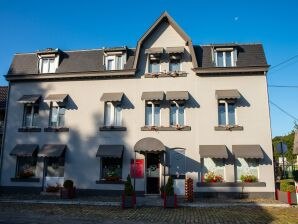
(139, 168)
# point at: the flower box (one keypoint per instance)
(286, 197)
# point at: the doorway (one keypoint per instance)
(152, 173)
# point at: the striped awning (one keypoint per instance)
(52, 150)
(152, 96)
(177, 95)
(29, 99)
(59, 98)
(110, 151)
(248, 151)
(25, 150)
(213, 151)
(112, 97)
(227, 94)
(154, 50)
(175, 50)
(149, 145)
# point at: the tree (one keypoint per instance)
(289, 140)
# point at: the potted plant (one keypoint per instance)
(128, 196)
(53, 188)
(286, 193)
(248, 178)
(170, 198)
(68, 191)
(112, 176)
(153, 128)
(211, 177)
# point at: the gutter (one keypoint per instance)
(224, 70)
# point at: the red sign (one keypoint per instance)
(139, 168)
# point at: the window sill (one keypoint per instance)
(153, 128)
(166, 74)
(105, 128)
(228, 128)
(231, 184)
(19, 179)
(51, 129)
(29, 129)
(109, 182)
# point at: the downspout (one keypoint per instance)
(4, 133)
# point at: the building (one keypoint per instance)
(180, 109)
(3, 99)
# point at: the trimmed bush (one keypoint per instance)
(68, 184)
(128, 188)
(286, 185)
(170, 187)
(291, 188)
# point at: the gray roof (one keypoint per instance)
(248, 55)
(70, 61)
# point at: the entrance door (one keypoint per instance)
(152, 173)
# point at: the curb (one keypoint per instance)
(117, 204)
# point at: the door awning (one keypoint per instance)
(149, 145)
(295, 147)
(175, 50)
(152, 95)
(24, 150)
(177, 95)
(113, 97)
(29, 99)
(110, 151)
(52, 150)
(227, 94)
(213, 151)
(59, 98)
(154, 50)
(248, 151)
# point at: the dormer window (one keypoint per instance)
(225, 57)
(154, 65)
(48, 60)
(48, 65)
(174, 65)
(175, 56)
(114, 62)
(154, 59)
(115, 58)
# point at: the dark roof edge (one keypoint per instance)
(220, 70)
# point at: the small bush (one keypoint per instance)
(290, 188)
(128, 188)
(211, 177)
(295, 175)
(68, 184)
(286, 185)
(170, 187)
(248, 178)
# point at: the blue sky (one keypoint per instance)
(27, 26)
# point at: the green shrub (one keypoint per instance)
(295, 175)
(128, 188)
(170, 187)
(287, 185)
(248, 178)
(290, 188)
(68, 184)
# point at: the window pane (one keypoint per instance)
(27, 115)
(54, 116)
(35, 115)
(118, 63)
(157, 115)
(55, 167)
(181, 115)
(231, 110)
(214, 165)
(154, 67)
(108, 114)
(110, 64)
(219, 62)
(51, 65)
(45, 66)
(26, 167)
(61, 116)
(174, 66)
(148, 115)
(228, 59)
(111, 168)
(118, 116)
(173, 110)
(246, 167)
(221, 114)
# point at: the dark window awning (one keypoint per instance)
(29, 99)
(213, 151)
(113, 97)
(154, 50)
(149, 145)
(177, 95)
(59, 98)
(175, 50)
(248, 151)
(227, 94)
(110, 151)
(152, 96)
(24, 150)
(295, 147)
(52, 150)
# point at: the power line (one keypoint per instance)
(285, 61)
(284, 111)
(281, 86)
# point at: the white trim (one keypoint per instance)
(112, 115)
(226, 102)
(177, 113)
(233, 61)
(153, 113)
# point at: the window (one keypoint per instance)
(110, 64)
(114, 62)
(113, 114)
(226, 113)
(30, 115)
(57, 116)
(118, 62)
(48, 65)
(246, 167)
(111, 168)
(224, 58)
(26, 167)
(174, 65)
(152, 114)
(55, 167)
(154, 66)
(177, 114)
(214, 165)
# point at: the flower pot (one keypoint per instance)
(286, 197)
(67, 193)
(170, 201)
(128, 201)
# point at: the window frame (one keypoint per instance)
(18, 159)
(227, 102)
(180, 65)
(177, 104)
(113, 114)
(33, 106)
(115, 59)
(101, 176)
(236, 170)
(58, 117)
(149, 60)
(233, 63)
(43, 58)
(153, 103)
(203, 167)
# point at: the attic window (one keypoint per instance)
(47, 65)
(115, 58)
(48, 60)
(225, 57)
